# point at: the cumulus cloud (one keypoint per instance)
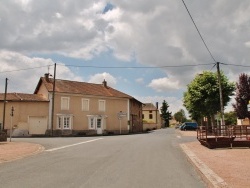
(164, 84)
(150, 33)
(24, 72)
(100, 77)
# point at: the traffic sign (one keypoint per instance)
(122, 114)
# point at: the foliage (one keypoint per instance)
(230, 118)
(202, 98)
(242, 96)
(166, 115)
(180, 116)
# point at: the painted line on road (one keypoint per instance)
(67, 146)
(212, 177)
(178, 136)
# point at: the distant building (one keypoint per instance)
(151, 117)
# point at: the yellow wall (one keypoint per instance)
(80, 118)
(22, 112)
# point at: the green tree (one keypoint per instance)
(202, 97)
(230, 118)
(166, 115)
(180, 116)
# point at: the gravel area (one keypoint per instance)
(10, 151)
(231, 165)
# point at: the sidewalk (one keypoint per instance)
(230, 166)
(10, 151)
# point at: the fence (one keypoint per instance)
(224, 136)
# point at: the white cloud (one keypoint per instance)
(164, 84)
(24, 72)
(100, 77)
(139, 80)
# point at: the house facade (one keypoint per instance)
(151, 117)
(81, 108)
(30, 115)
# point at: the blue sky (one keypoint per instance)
(88, 35)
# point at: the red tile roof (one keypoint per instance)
(22, 97)
(75, 87)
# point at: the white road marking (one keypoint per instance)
(55, 149)
(214, 179)
(178, 136)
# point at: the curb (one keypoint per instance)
(215, 180)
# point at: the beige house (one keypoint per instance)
(30, 115)
(79, 108)
(151, 117)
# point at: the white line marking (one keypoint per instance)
(54, 149)
(216, 180)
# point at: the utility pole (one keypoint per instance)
(53, 100)
(220, 90)
(4, 102)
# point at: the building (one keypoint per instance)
(151, 117)
(78, 108)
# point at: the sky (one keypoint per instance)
(148, 49)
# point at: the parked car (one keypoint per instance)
(189, 126)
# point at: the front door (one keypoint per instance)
(99, 125)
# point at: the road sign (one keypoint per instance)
(122, 114)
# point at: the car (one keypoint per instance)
(189, 126)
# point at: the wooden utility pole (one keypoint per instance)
(53, 100)
(221, 96)
(4, 102)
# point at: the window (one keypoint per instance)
(142, 116)
(85, 104)
(91, 123)
(64, 122)
(150, 116)
(102, 105)
(65, 103)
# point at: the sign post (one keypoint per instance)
(120, 115)
(11, 117)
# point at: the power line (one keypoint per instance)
(235, 65)
(135, 67)
(23, 69)
(199, 32)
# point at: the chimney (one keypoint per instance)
(46, 75)
(104, 83)
(157, 105)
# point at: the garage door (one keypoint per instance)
(37, 125)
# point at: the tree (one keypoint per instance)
(166, 115)
(180, 116)
(242, 96)
(230, 118)
(202, 98)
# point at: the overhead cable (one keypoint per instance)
(199, 32)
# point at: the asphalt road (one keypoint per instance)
(152, 160)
